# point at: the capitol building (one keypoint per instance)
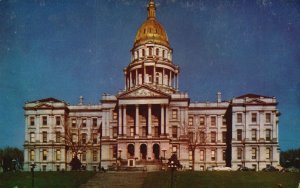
(151, 119)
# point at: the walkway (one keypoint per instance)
(116, 179)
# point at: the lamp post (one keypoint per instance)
(32, 173)
(173, 164)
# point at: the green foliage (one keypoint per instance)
(290, 158)
(222, 179)
(45, 179)
(11, 158)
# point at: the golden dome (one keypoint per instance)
(151, 30)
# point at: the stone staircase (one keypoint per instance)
(116, 179)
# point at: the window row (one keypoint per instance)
(59, 137)
(83, 122)
(203, 137)
(254, 117)
(150, 51)
(254, 153)
(268, 133)
(213, 155)
(45, 121)
(203, 121)
(45, 154)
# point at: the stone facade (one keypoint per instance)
(151, 119)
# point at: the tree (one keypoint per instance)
(11, 159)
(78, 142)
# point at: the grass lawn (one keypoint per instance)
(44, 179)
(222, 179)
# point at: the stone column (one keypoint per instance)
(124, 121)
(170, 79)
(120, 120)
(163, 77)
(136, 77)
(162, 122)
(144, 77)
(154, 74)
(130, 79)
(167, 121)
(137, 120)
(149, 120)
(177, 86)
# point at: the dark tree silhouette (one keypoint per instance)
(75, 163)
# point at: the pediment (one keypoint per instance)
(255, 101)
(143, 92)
(43, 105)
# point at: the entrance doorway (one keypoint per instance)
(143, 150)
(156, 151)
(130, 150)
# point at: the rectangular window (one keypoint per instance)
(144, 131)
(74, 138)
(202, 121)
(44, 168)
(174, 149)
(58, 155)
(132, 131)
(239, 135)
(115, 151)
(95, 138)
(201, 155)
(32, 155)
(213, 121)
(94, 122)
(31, 121)
(44, 119)
(191, 137)
(95, 154)
(268, 135)
(239, 153)
(268, 153)
(224, 155)
(44, 133)
(268, 117)
(254, 134)
(174, 132)
(224, 121)
(190, 123)
(115, 132)
(254, 151)
(254, 117)
(83, 156)
(213, 136)
(83, 122)
(32, 137)
(239, 118)
(45, 153)
(73, 123)
(83, 138)
(213, 155)
(58, 120)
(224, 135)
(174, 114)
(115, 115)
(58, 137)
(202, 137)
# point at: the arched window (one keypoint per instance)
(163, 53)
(143, 52)
(157, 51)
(130, 150)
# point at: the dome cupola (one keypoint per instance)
(151, 30)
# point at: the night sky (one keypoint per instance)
(65, 49)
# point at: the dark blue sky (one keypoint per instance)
(65, 49)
